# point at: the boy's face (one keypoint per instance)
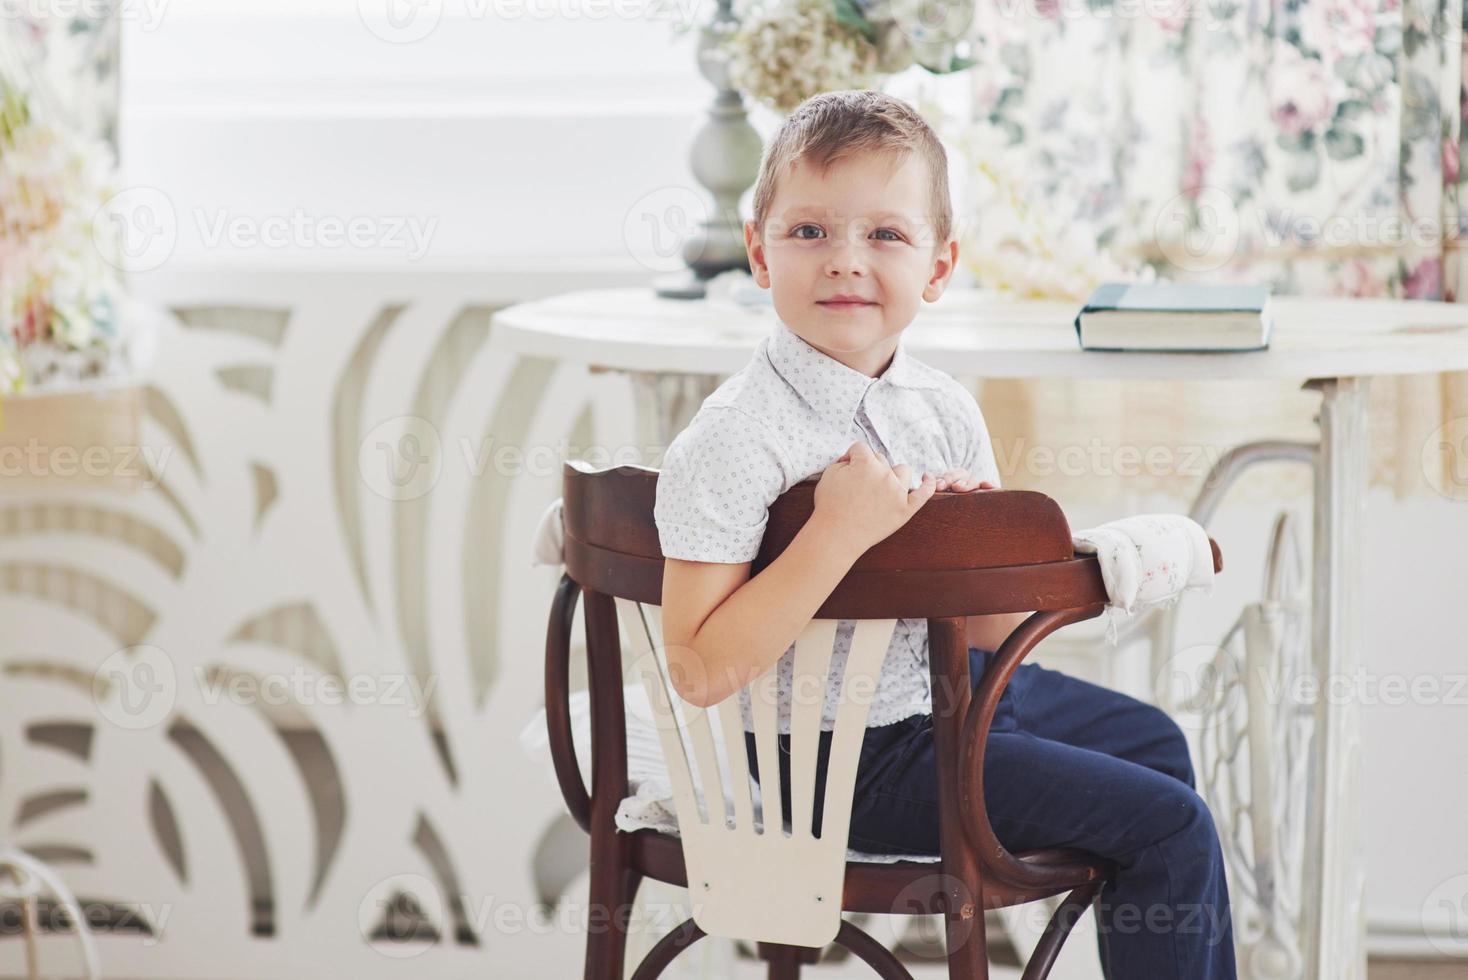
(861, 230)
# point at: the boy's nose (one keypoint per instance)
(843, 258)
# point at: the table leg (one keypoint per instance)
(665, 403)
(1335, 932)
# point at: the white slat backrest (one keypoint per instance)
(761, 884)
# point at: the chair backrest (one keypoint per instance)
(748, 878)
(960, 555)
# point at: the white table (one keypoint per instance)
(677, 351)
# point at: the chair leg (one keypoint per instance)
(968, 944)
(609, 907)
(785, 961)
(1047, 950)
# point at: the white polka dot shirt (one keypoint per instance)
(785, 416)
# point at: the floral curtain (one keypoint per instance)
(1314, 145)
(66, 318)
(68, 64)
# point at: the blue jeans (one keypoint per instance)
(1068, 764)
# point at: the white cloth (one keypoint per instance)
(1148, 560)
(650, 807)
(548, 546)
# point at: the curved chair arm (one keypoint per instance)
(996, 858)
(558, 702)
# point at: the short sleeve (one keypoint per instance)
(979, 460)
(714, 490)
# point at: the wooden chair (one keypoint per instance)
(960, 555)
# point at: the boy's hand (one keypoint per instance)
(959, 481)
(864, 499)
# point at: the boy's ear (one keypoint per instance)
(755, 246)
(945, 263)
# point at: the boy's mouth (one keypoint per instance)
(844, 303)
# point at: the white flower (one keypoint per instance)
(56, 289)
(785, 52)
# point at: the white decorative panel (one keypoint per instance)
(267, 696)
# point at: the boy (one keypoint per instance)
(852, 226)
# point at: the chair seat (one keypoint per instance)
(908, 887)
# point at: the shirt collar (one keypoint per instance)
(829, 387)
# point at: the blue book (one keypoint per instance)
(1176, 316)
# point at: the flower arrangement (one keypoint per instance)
(784, 51)
(1021, 251)
(61, 292)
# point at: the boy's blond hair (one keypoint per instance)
(833, 126)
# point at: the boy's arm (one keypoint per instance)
(722, 629)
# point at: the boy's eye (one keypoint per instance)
(796, 233)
